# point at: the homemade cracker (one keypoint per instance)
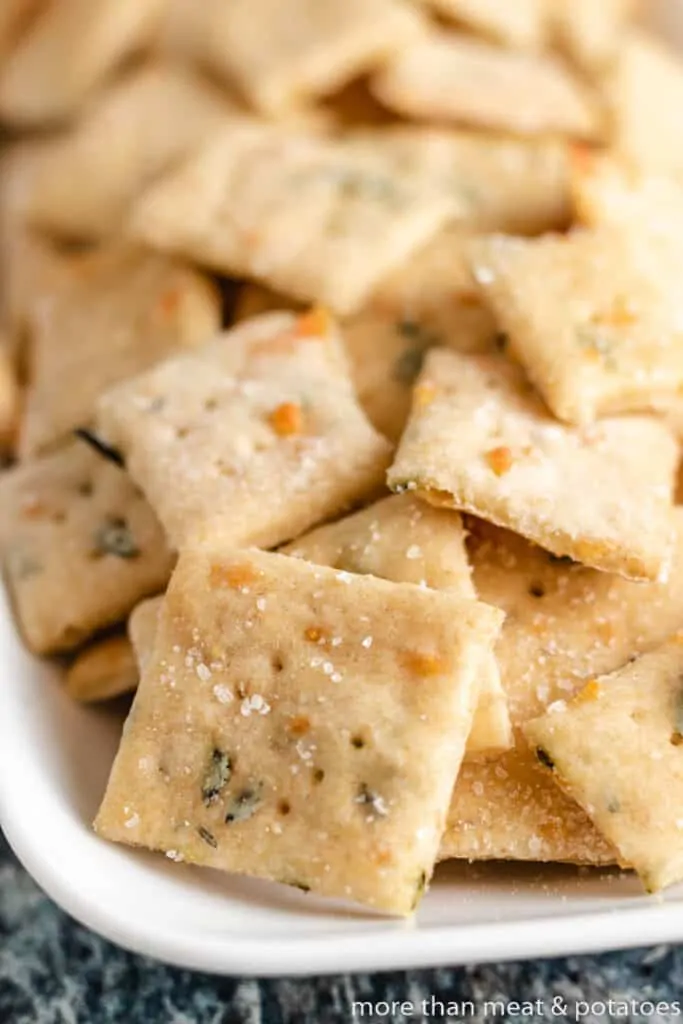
(10, 399)
(15, 17)
(590, 33)
(517, 23)
(68, 50)
(120, 311)
(404, 540)
(644, 93)
(593, 316)
(105, 669)
(257, 434)
(151, 119)
(320, 219)
(480, 440)
(299, 724)
(613, 192)
(80, 547)
(616, 749)
(451, 78)
(564, 625)
(284, 54)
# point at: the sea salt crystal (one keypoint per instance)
(203, 671)
(367, 641)
(174, 855)
(254, 703)
(133, 821)
(413, 552)
(222, 693)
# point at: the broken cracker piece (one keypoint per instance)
(615, 748)
(404, 540)
(257, 434)
(253, 748)
(481, 441)
(104, 670)
(517, 23)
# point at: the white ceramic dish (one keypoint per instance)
(54, 761)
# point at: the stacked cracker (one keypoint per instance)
(444, 237)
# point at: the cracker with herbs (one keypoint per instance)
(105, 669)
(68, 50)
(593, 316)
(480, 440)
(404, 540)
(616, 749)
(118, 311)
(497, 182)
(565, 625)
(76, 190)
(142, 629)
(450, 78)
(299, 724)
(258, 433)
(320, 219)
(520, 24)
(644, 95)
(80, 547)
(283, 55)
(610, 192)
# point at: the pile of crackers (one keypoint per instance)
(341, 397)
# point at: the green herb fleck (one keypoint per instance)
(296, 885)
(217, 775)
(501, 341)
(613, 805)
(208, 837)
(420, 888)
(114, 538)
(245, 805)
(408, 365)
(545, 758)
(537, 590)
(98, 445)
(590, 339)
(21, 565)
(560, 559)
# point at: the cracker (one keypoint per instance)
(607, 191)
(520, 23)
(451, 78)
(480, 440)
(258, 432)
(564, 625)
(590, 33)
(592, 316)
(68, 50)
(10, 400)
(320, 219)
(80, 547)
(517, 186)
(615, 749)
(121, 310)
(78, 191)
(307, 49)
(644, 93)
(105, 669)
(293, 747)
(142, 629)
(15, 18)
(403, 540)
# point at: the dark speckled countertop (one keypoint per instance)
(52, 971)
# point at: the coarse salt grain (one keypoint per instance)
(413, 552)
(203, 671)
(132, 822)
(367, 641)
(222, 693)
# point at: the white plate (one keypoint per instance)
(54, 761)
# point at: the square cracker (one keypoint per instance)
(76, 190)
(143, 622)
(258, 433)
(68, 50)
(590, 33)
(644, 95)
(254, 748)
(283, 54)
(106, 669)
(404, 540)
(608, 191)
(616, 750)
(517, 23)
(480, 440)
(80, 547)
(564, 625)
(450, 78)
(593, 316)
(116, 312)
(320, 219)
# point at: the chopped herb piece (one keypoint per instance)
(613, 805)
(216, 777)
(560, 559)
(420, 888)
(245, 805)
(318, 775)
(408, 365)
(537, 590)
(545, 758)
(114, 538)
(296, 885)
(96, 443)
(678, 718)
(208, 837)
(501, 341)
(596, 345)
(21, 565)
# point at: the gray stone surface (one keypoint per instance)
(52, 971)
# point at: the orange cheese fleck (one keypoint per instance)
(500, 460)
(317, 323)
(287, 419)
(234, 576)
(299, 725)
(424, 664)
(590, 692)
(423, 395)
